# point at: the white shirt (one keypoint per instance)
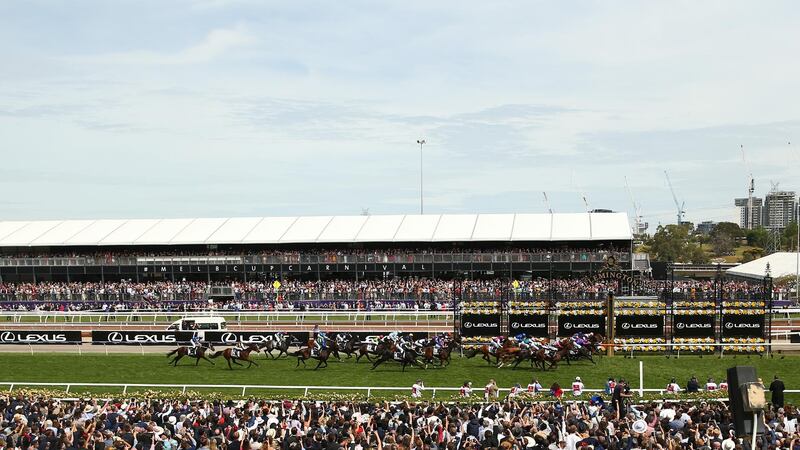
(711, 386)
(577, 388)
(416, 390)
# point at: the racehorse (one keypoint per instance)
(484, 350)
(306, 353)
(197, 353)
(442, 354)
(409, 359)
(372, 349)
(280, 342)
(234, 356)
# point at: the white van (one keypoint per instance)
(199, 324)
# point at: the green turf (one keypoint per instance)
(153, 368)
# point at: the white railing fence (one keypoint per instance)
(306, 389)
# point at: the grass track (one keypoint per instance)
(153, 368)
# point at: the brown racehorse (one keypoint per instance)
(197, 353)
(484, 350)
(305, 353)
(243, 355)
(443, 355)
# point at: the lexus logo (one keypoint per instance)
(731, 325)
(115, 337)
(570, 325)
(228, 338)
(479, 325)
(628, 325)
(527, 325)
(32, 338)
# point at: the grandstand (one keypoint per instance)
(469, 246)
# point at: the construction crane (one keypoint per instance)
(547, 202)
(680, 206)
(637, 213)
(751, 188)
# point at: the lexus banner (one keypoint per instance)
(639, 326)
(586, 323)
(748, 326)
(531, 324)
(480, 325)
(250, 337)
(141, 337)
(39, 337)
(693, 326)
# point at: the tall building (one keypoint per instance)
(750, 219)
(779, 209)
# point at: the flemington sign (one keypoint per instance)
(611, 272)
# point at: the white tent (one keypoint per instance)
(781, 264)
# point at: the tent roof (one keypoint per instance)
(780, 264)
(318, 229)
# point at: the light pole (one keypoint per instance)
(421, 142)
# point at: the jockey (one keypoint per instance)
(393, 336)
(402, 347)
(196, 340)
(439, 340)
(496, 342)
(321, 341)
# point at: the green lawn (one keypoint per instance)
(152, 368)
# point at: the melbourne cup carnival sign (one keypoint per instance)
(530, 324)
(39, 337)
(743, 325)
(639, 325)
(569, 324)
(480, 325)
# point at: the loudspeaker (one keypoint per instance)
(739, 378)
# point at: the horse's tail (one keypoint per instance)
(217, 354)
(173, 352)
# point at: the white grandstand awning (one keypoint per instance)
(781, 264)
(319, 229)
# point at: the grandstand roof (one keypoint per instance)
(781, 264)
(318, 229)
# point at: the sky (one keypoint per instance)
(218, 108)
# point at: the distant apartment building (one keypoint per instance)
(753, 218)
(779, 209)
(706, 227)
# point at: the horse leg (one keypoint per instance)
(197, 360)
(212, 362)
(229, 363)
(252, 362)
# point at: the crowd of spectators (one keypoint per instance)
(514, 423)
(388, 293)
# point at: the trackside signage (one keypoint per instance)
(747, 326)
(480, 325)
(639, 325)
(250, 337)
(584, 323)
(123, 337)
(529, 324)
(693, 326)
(39, 337)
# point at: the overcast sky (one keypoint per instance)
(241, 108)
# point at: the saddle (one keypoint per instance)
(235, 353)
(192, 351)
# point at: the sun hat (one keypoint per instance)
(640, 426)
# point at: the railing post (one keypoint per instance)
(68, 386)
(243, 389)
(305, 392)
(125, 389)
(11, 388)
(369, 392)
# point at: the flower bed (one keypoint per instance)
(640, 344)
(694, 345)
(755, 345)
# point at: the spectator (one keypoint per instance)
(777, 388)
(692, 385)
